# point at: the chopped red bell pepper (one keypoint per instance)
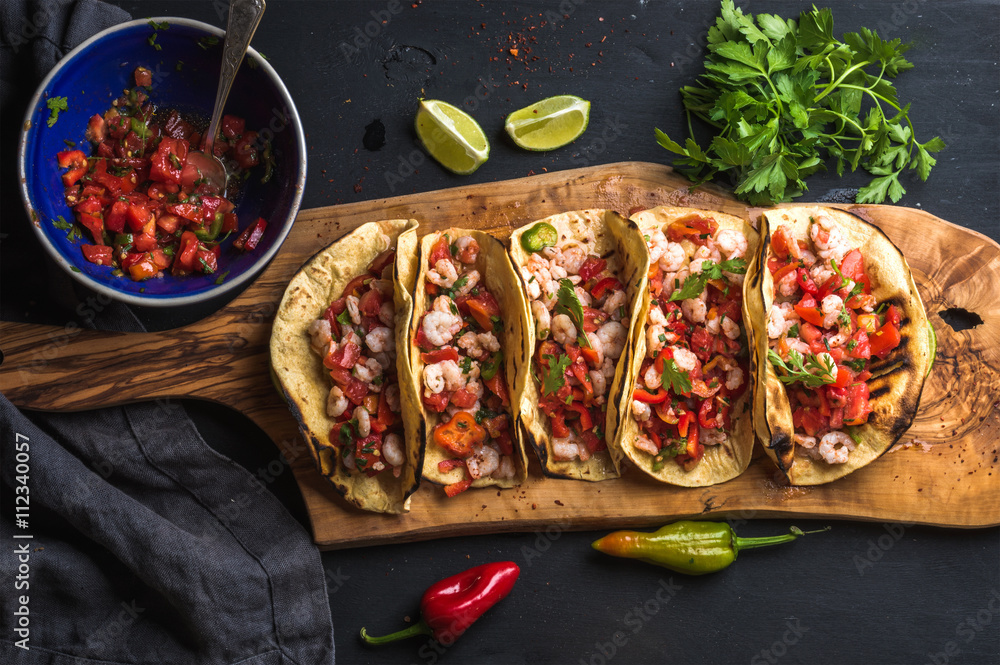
(99, 254)
(605, 285)
(439, 355)
(643, 395)
(251, 236)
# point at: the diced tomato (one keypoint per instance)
(186, 255)
(245, 151)
(168, 162)
(367, 452)
(837, 418)
(233, 127)
(809, 333)
(99, 254)
(702, 343)
(71, 158)
(857, 408)
(783, 244)
(439, 355)
(435, 401)
(498, 386)
(504, 443)
(94, 224)
(207, 260)
(385, 418)
(355, 391)
(605, 285)
(439, 250)
(591, 267)
(463, 398)
(862, 347)
(707, 414)
(73, 176)
(345, 356)
(230, 222)
(811, 420)
(591, 357)
(884, 340)
(853, 265)
(593, 442)
(137, 214)
(483, 308)
(457, 488)
(843, 377)
(446, 465)
(143, 268)
(168, 223)
(696, 229)
(422, 341)
(593, 319)
(143, 77)
(340, 376)
(160, 259)
(145, 242)
(806, 282)
(892, 316)
(808, 311)
(868, 322)
(370, 303)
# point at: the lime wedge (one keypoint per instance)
(550, 123)
(451, 136)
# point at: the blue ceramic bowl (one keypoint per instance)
(185, 76)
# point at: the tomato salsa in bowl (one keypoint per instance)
(80, 180)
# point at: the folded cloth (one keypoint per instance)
(127, 539)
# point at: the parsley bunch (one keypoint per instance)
(787, 96)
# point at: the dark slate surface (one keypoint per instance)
(862, 593)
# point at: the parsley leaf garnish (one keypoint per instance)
(695, 284)
(675, 379)
(808, 371)
(554, 379)
(784, 97)
(55, 104)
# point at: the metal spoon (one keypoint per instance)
(244, 17)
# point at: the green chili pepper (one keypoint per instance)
(213, 232)
(491, 367)
(694, 548)
(538, 237)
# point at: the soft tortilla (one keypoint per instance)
(619, 242)
(303, 380)
(724, 461)
(500, 278)
(896, 382)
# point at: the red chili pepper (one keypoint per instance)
(450, 606)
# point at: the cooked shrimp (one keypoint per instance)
(694, 310)
(734, 378)
(706, 252)
(652, 378)
(444, 304)
(352, 309)
(713, 322)
(381, 339)
(613, 336)
(350, 337)
(440, 327)
(383, 360)
(787, 286)
(608, 368)
(565, 449)
(835, 447)
(656, 337)
(468, 249)
(731, 243)
(479, 345)
(797, 345)
(349, 462)
(614, 305)
(828, 237)
(451, 409)
(434, 376)
(387, 313)
(392, 450)
(598, 381)
(320, 335)
(821, 272)
(506, 469)
(364, 421)
(367, 371)
(336, 402)
(532, 285)
(807, 258)
(644, 444)
(711, 437)
(730, 328)
(685, 359)
(641, 410)
(475, 386)
(443, 274)
(657, 243)
(831, 307)
(471, 280)
(563, 330)
(484, 460)
(570, 258)
(392, 398)
(673, 257)
(583, 295)
(543, 320)
(656, 315)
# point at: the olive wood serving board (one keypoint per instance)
(950, 476)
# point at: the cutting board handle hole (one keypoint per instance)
(961, 319)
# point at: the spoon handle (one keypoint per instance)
(244, 17)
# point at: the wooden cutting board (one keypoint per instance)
(950, 476)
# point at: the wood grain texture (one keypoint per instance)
(949, 477)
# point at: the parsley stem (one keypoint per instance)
(832, 86)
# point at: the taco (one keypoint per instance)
(581, 272)
(841, 344)
(686, 405)
(467, 337)
(333, 352)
